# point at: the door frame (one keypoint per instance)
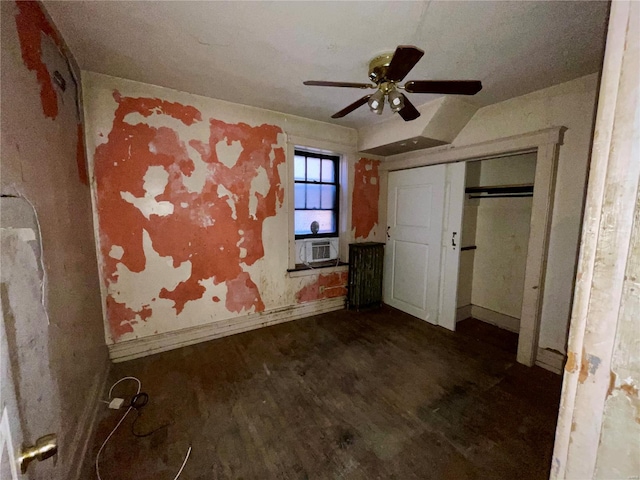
(545, 143)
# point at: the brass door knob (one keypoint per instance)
(45, 447)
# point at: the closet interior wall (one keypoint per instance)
(491, 275)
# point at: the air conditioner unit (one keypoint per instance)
(318, 250)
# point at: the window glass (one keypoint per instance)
(313, 195)
(303, 219)
(328, 170)
(313, 169)
(299, 194)
(328, 195)
(298, 168)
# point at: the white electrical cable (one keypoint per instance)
(43, 282)
(122, 420)
(119, 423)
(337, 252)
(183, 464)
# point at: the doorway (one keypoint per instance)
(544, 144)
(494, 241)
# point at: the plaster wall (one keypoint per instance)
(365, 200)
(192, 209)
(492, 276)
(571, 104)
(56, 346)
(502, 236)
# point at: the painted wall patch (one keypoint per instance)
(181, 213)
(366, 193)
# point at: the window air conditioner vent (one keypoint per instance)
(320, 251)
(316, 250)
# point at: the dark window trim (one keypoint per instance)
(336, 169)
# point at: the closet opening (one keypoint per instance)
(493, 254)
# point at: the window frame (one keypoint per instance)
(336, 159)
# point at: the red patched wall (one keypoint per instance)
(219, 234)
(329, 285)
(366, 194)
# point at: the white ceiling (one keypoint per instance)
(259, 53)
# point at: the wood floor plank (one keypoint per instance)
(353, 395)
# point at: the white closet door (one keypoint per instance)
(415, 212)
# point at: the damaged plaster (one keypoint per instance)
(366, 194)
(182, 211)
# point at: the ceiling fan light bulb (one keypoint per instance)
(396, 101)
(376, 102)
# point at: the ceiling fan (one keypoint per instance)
(386, 71)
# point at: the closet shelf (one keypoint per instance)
(501, 191)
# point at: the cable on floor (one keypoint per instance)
(139, 400)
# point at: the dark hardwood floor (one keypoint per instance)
(487, 333)
(368, 395)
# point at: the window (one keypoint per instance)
(315, 194)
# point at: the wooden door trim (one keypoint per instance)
(545, 143)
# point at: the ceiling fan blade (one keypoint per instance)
(404, 59)
(451, 87)
(321, 83)
(351, 108)
(409, 112)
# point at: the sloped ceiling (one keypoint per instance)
(259, 53)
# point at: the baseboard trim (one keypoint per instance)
(87, 425)
(462, 313)
(496, 318)
(141, 347)
(551, 360)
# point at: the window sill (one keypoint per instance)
(302, 270)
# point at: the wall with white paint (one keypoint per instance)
(57, 354)
(572, 105)
(502, 236)
(492, 276)
(191, 208)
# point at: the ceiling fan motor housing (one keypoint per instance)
(378, 67)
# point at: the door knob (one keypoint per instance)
(45, 447)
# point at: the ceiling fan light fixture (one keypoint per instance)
(376, 102)
(386, 71)
(396, 100)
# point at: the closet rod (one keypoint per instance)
(506, 195)
(495, 189)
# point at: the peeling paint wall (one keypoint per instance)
(366, 195)
(189, 199)
(598, 432)
(43, 161)
(329, 285)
